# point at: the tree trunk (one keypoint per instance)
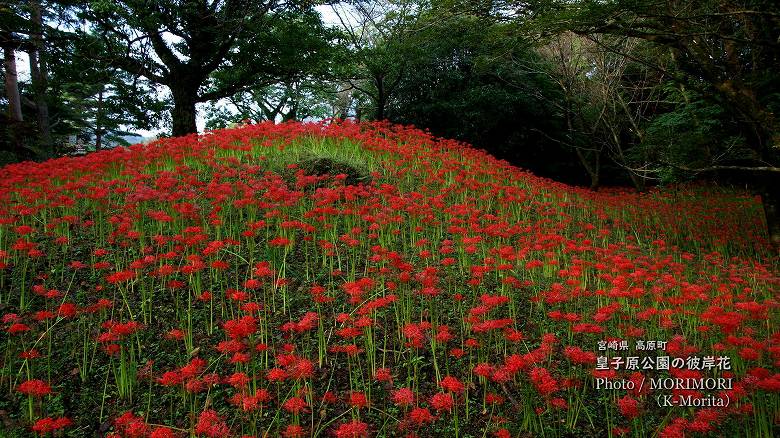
(772, 212)
(593, 169)
(595, 176)
(39, 75)
(381, 100)
(759, 119)
(12, 85)
(595, 181)
(183, 113)
(770, 200)
(639, 182)
(99, 121)
(14, 102)
(292, 114)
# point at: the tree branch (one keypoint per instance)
(769, 169)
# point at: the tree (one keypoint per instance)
(39, 73)
(204, 51)
(566, 61)
(10, 24)
(79, 95)
(14, 99)
(297, 100)
(376, 35)
(96, 101)
(477, 80)
(726, 51)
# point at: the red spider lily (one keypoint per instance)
(251, 307)
(457, 353)
(131, 426)
(175, 334)
(9, 318)
(112, 349)
(628, 406)
(205, 296)
(430, 257)
(350, 350)
(421, 416)
(117, 330)
(162, 432)
(120, 277)
(308, 322)
(34, 388)
(171, 378)
(543, 381)
(238, 380)
(241, 328)
(276, 375)
(443, 334)
(300, 368)
(293, 431)
(295, 405)
(17, 328)
(67, 310)
(193, 368)
(578, 356)
(403, 397)
(279, 241)
(43, 315)
(249, 402)
(357, 399)
(237, 295)
(349, 332)
(484, 370)
(494, 399)
(48, 425)
(640, 389)
(442, 402)
(329, 397)
(357, 289)
(452, 384)
(230, 347)
(253, 284)
(415, 334)
(353, 429)
(771, 383)
(30, 354)
(383, 375)
(211, 425)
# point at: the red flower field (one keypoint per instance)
(356, 280)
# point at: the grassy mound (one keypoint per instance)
(358, 280)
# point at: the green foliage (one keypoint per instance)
(203, 52)
(724, 52)
(296, 100)
(693, 134)
(285, 47)
(466, 78)
(85, 97)
(97, 100)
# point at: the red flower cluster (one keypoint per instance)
(350, 279)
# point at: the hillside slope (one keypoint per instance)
(371, 280)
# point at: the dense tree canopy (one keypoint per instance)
(722, 73)
(467, 78)
(205, 51)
